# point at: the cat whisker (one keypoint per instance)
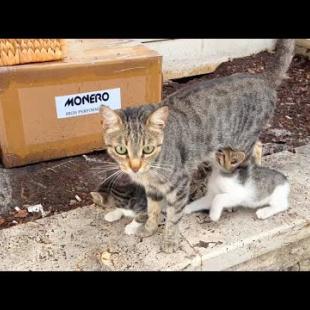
(104, 167)
(108, 163)
(112, 181)
(109, 177)
(160, 175)
(105, 173)
(115, 182)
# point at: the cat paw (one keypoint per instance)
(132, 228)
(113, 216)
(187, 210)
(214, 215)
(141, 218)
(263, 213)
(169, 246)
(144, 232)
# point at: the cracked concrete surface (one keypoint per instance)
(81, 240)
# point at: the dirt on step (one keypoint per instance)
(58, 185)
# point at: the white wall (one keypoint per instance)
(187, 57)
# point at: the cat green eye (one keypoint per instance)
(148, 149)
(121, 150)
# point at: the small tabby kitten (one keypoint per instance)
(127, 198)
(159, 146)
(236, 181)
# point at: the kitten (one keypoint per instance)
(159, 146)
(236, 181)
(127, 198)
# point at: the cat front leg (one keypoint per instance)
(154, 206)
(221, 202)
(177, 199)
(203, 203)
(118, 213)
(114, 215)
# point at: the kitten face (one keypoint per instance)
(134, 143)
(228, 159)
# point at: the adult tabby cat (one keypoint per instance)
(159, 146)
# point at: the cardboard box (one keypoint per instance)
(44, 107)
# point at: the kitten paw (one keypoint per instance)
(214, 215)
(144, 232)
(188, 210)
(169, 246)
(132, 228)
(113, 216)
(264, 213)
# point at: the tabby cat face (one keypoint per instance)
(133, 138)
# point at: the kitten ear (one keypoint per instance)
(220, 158)
(158, 119)
(98, 199)
(110, 120)
(237, 158)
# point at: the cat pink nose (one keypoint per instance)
(135, 169)
(135, 165)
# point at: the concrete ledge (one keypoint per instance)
(81, 240)
(294, 256)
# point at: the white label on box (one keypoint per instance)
(87, 103)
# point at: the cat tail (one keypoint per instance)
(284, 53)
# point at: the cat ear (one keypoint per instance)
(158, 119)
(237, 158)
(110, 120)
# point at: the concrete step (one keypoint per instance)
(81, 240)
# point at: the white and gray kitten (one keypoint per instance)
(235, 181)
